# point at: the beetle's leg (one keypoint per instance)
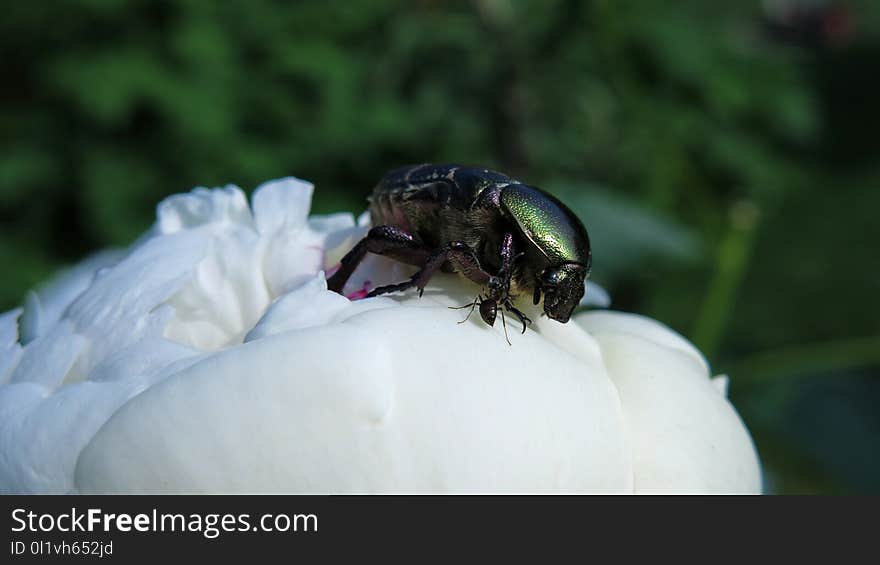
(379, 290)
(500, 284)
(465, 261)
(522, 317)
(381, 240)
(456, 252)
(507, 252)
(509, 256)
(468, 305)
(472, 306)
(504, 324)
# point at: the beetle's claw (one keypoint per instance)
(516, 312)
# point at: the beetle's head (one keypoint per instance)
(563, 288)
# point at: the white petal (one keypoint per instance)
(722, 384)
(118, 307)
(54, 298)
(599, 323)
(146, 361)
(282, 205)
(595, 295)
(292, 259)
(48, 359)
(364, 220)
(397, 399)
(224, 297)
(308, 305)
(9, 361)
(41, 435)
(10, 349)
(686, 438)
(332, 224)
(30, 321)
(296, 246)
(9, 328)
(203, 206)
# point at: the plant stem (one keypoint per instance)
(734, 253)
(826, 357)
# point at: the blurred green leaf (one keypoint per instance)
(625, 235)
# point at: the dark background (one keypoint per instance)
(723, 155)
(491, 526)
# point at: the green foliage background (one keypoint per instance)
(728, 175)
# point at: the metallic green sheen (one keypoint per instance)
(548, 223)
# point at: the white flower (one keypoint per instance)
(210, 357)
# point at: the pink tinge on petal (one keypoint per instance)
(332, 270)
(362, 293)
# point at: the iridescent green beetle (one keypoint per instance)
(506, 236)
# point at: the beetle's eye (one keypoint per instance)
(550, 278)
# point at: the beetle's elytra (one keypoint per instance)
(506, 236)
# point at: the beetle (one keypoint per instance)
(506, 236)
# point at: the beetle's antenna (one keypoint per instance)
(504, 323)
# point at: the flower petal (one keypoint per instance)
(48, 304)
(10, 349)
(42, 434)
(685, 436)
(203, 206)
(610, 322)
(595, 295)
(282, 205)
(48, 359)
(307, 306)
(417, 403)
(117, 309)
